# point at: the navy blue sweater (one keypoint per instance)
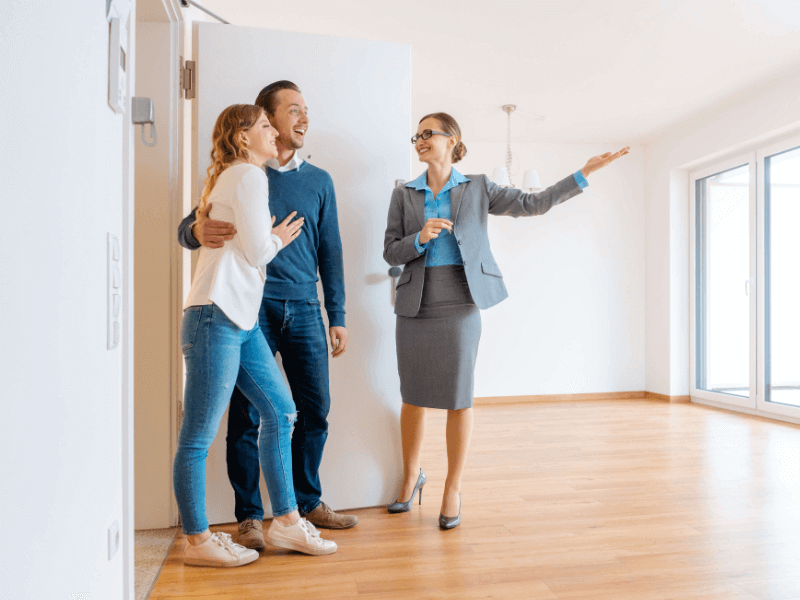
(292, 274)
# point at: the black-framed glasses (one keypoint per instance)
(426, 135)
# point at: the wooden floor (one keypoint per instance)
(600, 500)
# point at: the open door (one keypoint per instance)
(359, 99)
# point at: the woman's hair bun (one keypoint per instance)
(459, 152)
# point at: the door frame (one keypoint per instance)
(126, 343)
(176, 118)
(749, 402)
(174, 136)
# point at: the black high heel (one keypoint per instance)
(401, 507)
(451, 522)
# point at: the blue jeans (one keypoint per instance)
(218, 357)
(295, 329)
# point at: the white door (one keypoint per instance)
(359, 99)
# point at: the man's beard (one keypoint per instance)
(291, 143)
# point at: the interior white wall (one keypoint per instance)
(574, 319)
(63, 190)
(766, 111)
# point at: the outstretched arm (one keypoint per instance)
(598, 162)
(512, 202)
(515, 203)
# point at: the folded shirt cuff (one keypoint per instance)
(420, 247)
(189, 241)
(580, 179)
(335, 319)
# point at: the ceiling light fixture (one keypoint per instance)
(502, 175)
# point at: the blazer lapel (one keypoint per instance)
(455, 200)
(418, 203)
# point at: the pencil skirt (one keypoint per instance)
(437, 349)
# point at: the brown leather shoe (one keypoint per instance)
(324, 517)
(251, 534)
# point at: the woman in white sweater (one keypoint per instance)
(223, 345)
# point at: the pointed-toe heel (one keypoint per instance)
(401, 507)
(451, 522)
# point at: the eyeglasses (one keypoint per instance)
(426, 135)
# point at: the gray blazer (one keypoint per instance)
(471, 203)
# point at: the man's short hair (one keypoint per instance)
(268, 97)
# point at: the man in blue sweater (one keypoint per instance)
(290, 318)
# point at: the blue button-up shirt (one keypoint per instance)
(444, 250)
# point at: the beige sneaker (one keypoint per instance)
(251, 534)
(323, 516)
(302, 537)
(218, 551)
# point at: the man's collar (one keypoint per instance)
(293, 164)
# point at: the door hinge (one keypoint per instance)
(187, 77)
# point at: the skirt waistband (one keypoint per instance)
(445, 272)
(445, 285)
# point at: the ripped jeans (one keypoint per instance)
(218, 356)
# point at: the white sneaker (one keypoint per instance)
(218, 551)
(302, 537)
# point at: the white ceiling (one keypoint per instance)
(601, 70)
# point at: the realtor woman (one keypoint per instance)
(437, 231)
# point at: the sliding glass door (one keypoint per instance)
(724, 306)
(745, 297)
(779, 254)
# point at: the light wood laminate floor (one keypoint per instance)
(600, 500)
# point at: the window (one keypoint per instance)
(746, 280)
(782, 277)
(723, 273)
